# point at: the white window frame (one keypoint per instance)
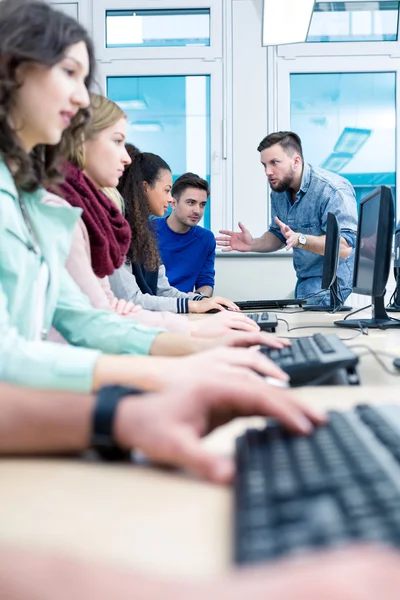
(205, 52)
(349, 64)
(137, 68)
(84, 11)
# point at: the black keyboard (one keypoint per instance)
(266, 304)
(266, 321)
(312, 360)
(339, 485)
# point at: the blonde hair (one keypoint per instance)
(115, 197)
(103, 114)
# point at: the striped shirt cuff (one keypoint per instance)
(182, 305)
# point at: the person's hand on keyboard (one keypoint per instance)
(242, 339)
(167, 427)
(210, 304)
(224, 322)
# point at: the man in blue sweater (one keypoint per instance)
(188, 250)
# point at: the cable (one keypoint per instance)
(376, 354)
(287, 324)
(359, 330)
(354, 312)
(287, 312)
(391, 299)
(339, 300)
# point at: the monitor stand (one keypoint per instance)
(380, 318)
(334, 306)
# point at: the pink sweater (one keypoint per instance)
(98, 290)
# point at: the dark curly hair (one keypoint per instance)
(33, 32)
(148, 167)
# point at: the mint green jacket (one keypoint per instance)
(44, 364)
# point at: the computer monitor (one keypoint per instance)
(373, 256)
(329, 272)
(395, 299)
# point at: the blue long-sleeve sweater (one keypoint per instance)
(188, 257)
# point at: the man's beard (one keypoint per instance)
(283, 185)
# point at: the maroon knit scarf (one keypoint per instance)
(109, 232)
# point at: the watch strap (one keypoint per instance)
(103, 440)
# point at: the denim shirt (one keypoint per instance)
(320, 192)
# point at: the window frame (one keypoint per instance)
(316, 49)
(323, 64)
(143, 68)
(214, 50)
(84, 12)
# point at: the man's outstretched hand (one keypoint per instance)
(292, 238)
(232, 240)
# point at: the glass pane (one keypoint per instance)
(347, 123)
(356, 21)
(69, 8)
(149, 28)
(169, 116)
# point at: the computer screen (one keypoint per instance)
(373, 256)
(364, 267)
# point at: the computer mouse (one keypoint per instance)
(396, 363)
(216, 310)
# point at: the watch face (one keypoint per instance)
(302, 239)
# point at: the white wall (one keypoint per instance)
(249, 100)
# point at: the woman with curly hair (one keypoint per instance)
(46, 66)
(145, 187)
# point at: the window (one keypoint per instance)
(170, 116)
(347, 123)
(69, 8)
(354, 21)
(143, 29)
(152, 28)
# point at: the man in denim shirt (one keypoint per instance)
(301, 198)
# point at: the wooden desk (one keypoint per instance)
(161, 522)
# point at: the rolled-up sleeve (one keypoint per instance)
(342, 203)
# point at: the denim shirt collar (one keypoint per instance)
(305, 179)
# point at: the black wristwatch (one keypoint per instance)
(103, 440)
